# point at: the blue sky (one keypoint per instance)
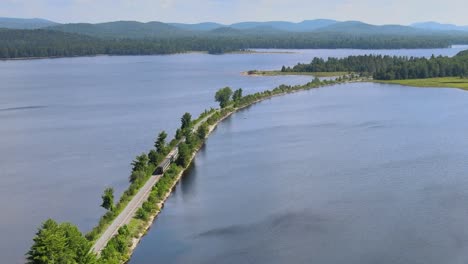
(229, 11)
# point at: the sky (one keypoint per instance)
(231, 11)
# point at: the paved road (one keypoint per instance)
(126, 215)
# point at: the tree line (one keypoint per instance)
(48, 43)
(390, 67)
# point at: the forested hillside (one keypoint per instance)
(124, 29)
(390, 68)
(136, 38)
(48, 43)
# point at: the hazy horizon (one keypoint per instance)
(229, 12)
(217, 22)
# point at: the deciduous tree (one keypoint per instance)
(223, 96)
(108, 199)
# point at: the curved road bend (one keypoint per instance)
(126, 215)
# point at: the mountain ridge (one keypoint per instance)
(432, 25)
(25, 23)
(155, 29)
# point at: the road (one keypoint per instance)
(126, 215)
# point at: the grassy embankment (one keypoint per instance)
(449, 82)
(120, 247)
(280, 73)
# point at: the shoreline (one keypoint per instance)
(153, 218)
(136, 240)
(256, 73)
(261, 52)
(443, 82)
(438, 82)
(132, 55)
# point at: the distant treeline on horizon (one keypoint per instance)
(390, 67)
(26, 38)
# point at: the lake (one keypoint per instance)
(70, 127)
(356, 173)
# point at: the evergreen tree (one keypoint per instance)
(186, 121)
(237, 95)
(160, 143)
(60, 243)
(140, 163)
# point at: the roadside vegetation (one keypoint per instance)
(64, 243)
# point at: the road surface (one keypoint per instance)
(126, 215)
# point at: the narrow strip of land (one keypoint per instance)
(126, 215)
(137, 201)
(281, 73)
(445, 82)
(138, 226)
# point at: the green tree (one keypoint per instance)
(116, 248)
(78, 244)
(141, 214)
(189, 137)
(137, 176)
(223, 96)
(140, 163)
(237, 95)
(108, 199)
(184, 155)
(202, 131)
(160, 143)
(153, 157)
(49, 245)
(178, 134)
(186, 121)
(59, 243)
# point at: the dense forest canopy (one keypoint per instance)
(49, 43)
(390, 68)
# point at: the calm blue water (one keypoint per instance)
(357, 173)
(70, 127)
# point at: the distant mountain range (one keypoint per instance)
(438, 26)
(122, 29)
(138, 30)
(304, 26)
(20, 23)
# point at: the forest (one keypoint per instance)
(16, 43)
(390, 67)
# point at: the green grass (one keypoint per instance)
(316, 74)
(449, 82)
